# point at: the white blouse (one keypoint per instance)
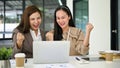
(36, 38)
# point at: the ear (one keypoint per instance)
(69, 17)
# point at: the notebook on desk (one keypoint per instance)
(51, 51)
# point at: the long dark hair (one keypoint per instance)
(24, 25)
(57, 29)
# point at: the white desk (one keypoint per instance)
(72, 64)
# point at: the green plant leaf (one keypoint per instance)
(5, 53)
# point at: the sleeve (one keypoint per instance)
(15, 48)
(80, 48)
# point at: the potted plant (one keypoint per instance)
(5, 54)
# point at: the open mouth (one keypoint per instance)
(36, 26)
(62, 24)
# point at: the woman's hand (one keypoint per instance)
(20, 39)
(89, 27)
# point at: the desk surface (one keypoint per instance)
(73, 63)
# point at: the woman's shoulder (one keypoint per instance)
(75, 31)
(15, 30)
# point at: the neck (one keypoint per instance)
(65, 29)
(36, 32)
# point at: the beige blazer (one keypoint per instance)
(76, 38)
(27, 46)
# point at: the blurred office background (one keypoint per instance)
(11, 11)
(82, 10)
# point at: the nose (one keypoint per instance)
(36, 21)
(60, 20)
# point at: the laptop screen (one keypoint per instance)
(51, 51)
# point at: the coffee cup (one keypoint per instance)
(20, 58)
(109, 55)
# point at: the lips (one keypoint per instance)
(36, 26)
(62, 24)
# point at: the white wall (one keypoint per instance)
(99, 16)
(70, 5)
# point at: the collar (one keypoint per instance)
(34, 36)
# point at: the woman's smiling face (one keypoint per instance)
(35, 21)
(62, 19)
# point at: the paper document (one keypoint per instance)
(64, 65)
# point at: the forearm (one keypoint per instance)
(89, 27)
(86, 39)
(83, 50)
(16, 43)
(15, 49)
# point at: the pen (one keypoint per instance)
(77, 58)
(81, 60)
(26, 60)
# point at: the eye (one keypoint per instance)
(63, 17)
(57, 18)
(38, 17)
(32, 19)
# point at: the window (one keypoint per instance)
(10, 17)
(11, 11)
(1, 19)
(80, 13)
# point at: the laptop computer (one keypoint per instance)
(51, 51)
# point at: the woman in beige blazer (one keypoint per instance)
(64, 29)
(27, 31)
